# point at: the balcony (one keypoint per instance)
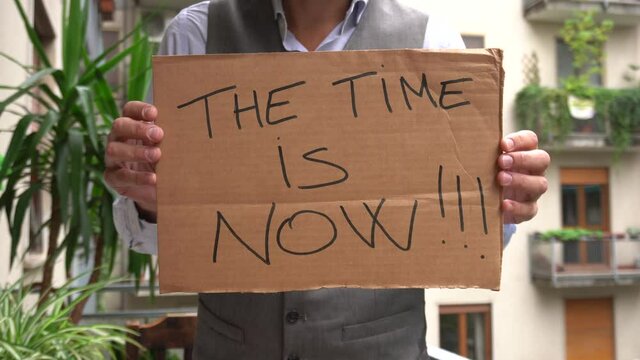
(615, 127)
(587, 262)
(622, 12)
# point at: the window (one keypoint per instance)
(466, 330)
(564, 60)
(585, 196)
(473, 41)
(585, 204)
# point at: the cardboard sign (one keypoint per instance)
(293, 171)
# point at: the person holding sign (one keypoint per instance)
(321, 324)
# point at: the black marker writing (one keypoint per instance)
(424, 87)
(289, 221)
(205, 98)
(237, 110)
(484, 214)
(444, 93)
(271, 104)
(386, 95)
(440, 191)
(460, 211)
(283, 166)
(375, 222)
(351, 80)
(221, 219)
(307, 156)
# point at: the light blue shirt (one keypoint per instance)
(187, 35)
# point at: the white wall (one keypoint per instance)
(13, 41)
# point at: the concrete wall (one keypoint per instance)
(528, 321)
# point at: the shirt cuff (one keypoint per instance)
(141, 236)
(509, 230)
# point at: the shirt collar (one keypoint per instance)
(354, 14)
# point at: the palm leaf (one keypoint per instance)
(33, 36)
(26, 87)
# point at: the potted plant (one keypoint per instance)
(30, 330)
(586, 38)
(64, 156)
(634, 233)
(569, 238)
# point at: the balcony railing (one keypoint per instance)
(610, 261)
(622, 12)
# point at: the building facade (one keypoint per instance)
(582, 300)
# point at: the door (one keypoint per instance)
(589, 329)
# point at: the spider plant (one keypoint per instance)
(45, 332)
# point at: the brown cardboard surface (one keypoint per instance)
(372, 182)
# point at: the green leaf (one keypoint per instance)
(73, 42)
(108, 231)
(61, 183)
(49, 120)
(15, 146)
(26, 87)
(139, 68)
(87, 117)
(105, 101)
(92, 65)
(78, 193)
(107, 65)
(15, 61)
(33, 36)
(24, 201)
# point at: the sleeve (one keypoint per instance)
(440, 35)
(185, 35)
(139, 235)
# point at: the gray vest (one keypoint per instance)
(331, 324)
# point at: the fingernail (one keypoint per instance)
(509, 144)
(506, 179)
(144, 113)
(154, 133)
(507, 162)
(151, 154)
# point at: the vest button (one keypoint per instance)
(292, 317)
(293, 357)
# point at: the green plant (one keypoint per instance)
(571, 234)
(46, 332)
(623, 113)
(631, 75)
(65, 155)
(545, 111)
(586, 38)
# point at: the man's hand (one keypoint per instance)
(522, 177)
(132, 154)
